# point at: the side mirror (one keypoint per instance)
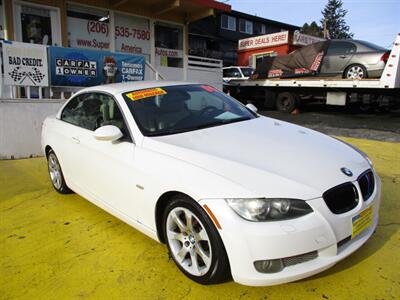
(107, 133)
(252, 107)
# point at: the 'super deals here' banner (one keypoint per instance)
(78, 67)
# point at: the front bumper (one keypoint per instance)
(321, 231)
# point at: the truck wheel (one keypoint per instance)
(287, 102)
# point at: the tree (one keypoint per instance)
(312, 29)
(336, 26)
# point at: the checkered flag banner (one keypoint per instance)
(17, 75)
(36, 76)
(25, 64)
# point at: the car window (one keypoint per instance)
(93, 110)
(372, 46)
(175, 109)
(341, 48)
(247, 72)
(231, 72)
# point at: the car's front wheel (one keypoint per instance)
(355, 72)
(56, 174)
(194, 243)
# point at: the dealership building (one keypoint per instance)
(155, 29)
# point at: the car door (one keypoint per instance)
(68, 129)
(107, 169)
(337, 57)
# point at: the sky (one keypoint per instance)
(376, 21)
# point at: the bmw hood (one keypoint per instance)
(270, 158)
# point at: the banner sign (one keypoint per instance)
(88, 34)
(78, 67)
(25, 64)
(132, 34)
(305, 39)
(268, 40)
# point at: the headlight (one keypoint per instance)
(269, 209)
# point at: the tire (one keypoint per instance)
(355, 71)
(56, 174)
(195, 245)
(287, 102)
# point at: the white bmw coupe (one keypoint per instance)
(230, 192)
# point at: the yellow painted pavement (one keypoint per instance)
(56, 246)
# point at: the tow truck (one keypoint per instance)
(287, 94)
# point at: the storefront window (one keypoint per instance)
(169, 45)
(36, 25)
(132, 35)
(88, 28)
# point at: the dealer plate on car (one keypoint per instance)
(361, 222)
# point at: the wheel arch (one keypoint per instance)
(47, 150)
(161, 204)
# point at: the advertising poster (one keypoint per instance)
(88, 34)
(25, 64)
(132, 35)
(78, 67)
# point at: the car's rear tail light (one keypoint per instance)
(385, 57)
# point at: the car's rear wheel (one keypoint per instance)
(194, 243)
(56, 174)
(355, 72)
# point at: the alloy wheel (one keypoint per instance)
(355, 72)
(55, 171)
(189, 241)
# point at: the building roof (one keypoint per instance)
(213, 4)
(183, 10)
(263, 20)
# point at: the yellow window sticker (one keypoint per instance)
(137, 95)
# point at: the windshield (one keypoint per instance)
(247, 72)
(182, 108)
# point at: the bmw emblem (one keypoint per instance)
(346, 171)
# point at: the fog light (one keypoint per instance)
(269, 266)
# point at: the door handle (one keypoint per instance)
(343, 56)
(76, 140)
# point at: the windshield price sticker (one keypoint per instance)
(208, 88)
(137, 95)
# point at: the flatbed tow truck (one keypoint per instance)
(286, 94)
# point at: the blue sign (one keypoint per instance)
(80, 67)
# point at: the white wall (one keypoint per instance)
(212, 77)
(21, 125)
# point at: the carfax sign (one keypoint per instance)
(25, 64)
(78, 67)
